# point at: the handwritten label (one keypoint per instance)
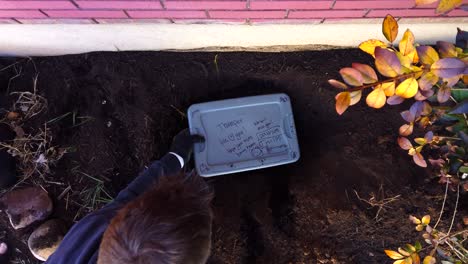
(251, 139)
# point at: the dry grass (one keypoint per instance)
(378, 200)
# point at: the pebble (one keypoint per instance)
(46, 239)
(7, 162)
(4, 254)
(26, 206)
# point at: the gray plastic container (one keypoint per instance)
(243, 134)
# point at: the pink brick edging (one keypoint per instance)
(211, 11)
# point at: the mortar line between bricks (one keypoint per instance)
(44, 13)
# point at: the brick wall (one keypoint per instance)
(214, 11)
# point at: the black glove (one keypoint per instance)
(182, 144)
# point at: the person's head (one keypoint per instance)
(170, 223)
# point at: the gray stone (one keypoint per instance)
(46, 238)
(26, 206)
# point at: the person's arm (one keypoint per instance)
(167, 165)
(171, 163)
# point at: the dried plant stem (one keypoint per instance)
(443, 204)
(362, 87)
(455, 210)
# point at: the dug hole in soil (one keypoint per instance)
(308, 212)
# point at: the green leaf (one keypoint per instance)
(387, 62)
(459, 94)
(418, 246)
(448, 67)
(463, 169)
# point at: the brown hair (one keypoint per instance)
(170, 223)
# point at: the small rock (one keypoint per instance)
(4, 254)
(26, 206)
(7, 162)
(46, 238)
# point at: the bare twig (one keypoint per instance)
(381, 203)
(443, 203)
(455, 210)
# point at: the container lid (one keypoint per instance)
(243, 134)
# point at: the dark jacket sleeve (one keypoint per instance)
(81, 244)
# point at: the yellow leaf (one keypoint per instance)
(447, 5)
(420, 141)
(427, 54)
(404, 252)
(390, 28)
(410, 248)
(408, 88)
(388, 88)
(376, 98)
(401, 261)
(393, 254)
(426, 219)
(424, 2)
(406, 44)
(355, 97)
(404, 60)
(343, 100)
(368, 46)
(429, 260)
(419, 228)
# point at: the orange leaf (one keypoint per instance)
(337, 84)
(388, 88)
(355, 97)
(369, 46)
(406, 44)
(393, 254)
(408, 88)
(343, 100)
(416, 259)
(447, 5)
(425, 2)
(419, 160)
(351, 76)
(368, 74)
(390, 28)
(376, 98)
(406, 130)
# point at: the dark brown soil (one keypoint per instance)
(306, 212)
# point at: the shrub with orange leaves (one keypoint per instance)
(436, 79)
